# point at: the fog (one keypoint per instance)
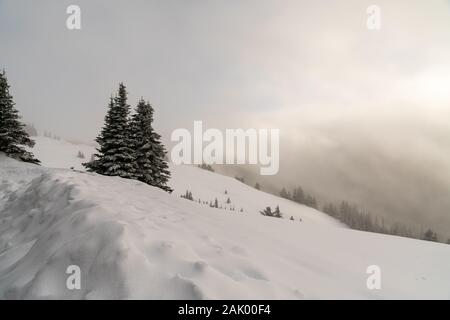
(364, 115)
(393, 164)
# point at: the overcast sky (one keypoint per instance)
(363, 114)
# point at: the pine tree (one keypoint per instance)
(429, 235)
(115, 156)
(188, 196)
(299, 195)
(285, 194)
(277, 213)
(267, 212)
(149, 152)
(13, 137)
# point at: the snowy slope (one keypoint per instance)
(204, 185)
(134, 241)
(60, 153)
(207, 186)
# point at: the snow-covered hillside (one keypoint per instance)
(204, 185)
(61, 154)
(131, 240)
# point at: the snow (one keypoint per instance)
(207, 186)
(133, 241)
(204, 184)
(60, 153)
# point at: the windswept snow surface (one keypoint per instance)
(131, 241)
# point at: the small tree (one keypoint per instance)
(430, 235)
(228, 201)
(269, 213)
(257, 186)
(277, 213)
(188, 196)
(80, 155)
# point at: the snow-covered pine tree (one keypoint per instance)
(149, 153)
(267, 212)
(13, 137)
(115, 154)
(277, 213)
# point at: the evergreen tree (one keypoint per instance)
(188, 196)
(298, 195)
(310, 201)
(257, 186)
(13, 137)
(115, 156)
(268, 212)
(149, 152)
(430, 235)
(285, 194)
(277, 213)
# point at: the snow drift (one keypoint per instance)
(133, 241)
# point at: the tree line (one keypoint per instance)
(299, 196)
(358, 219)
